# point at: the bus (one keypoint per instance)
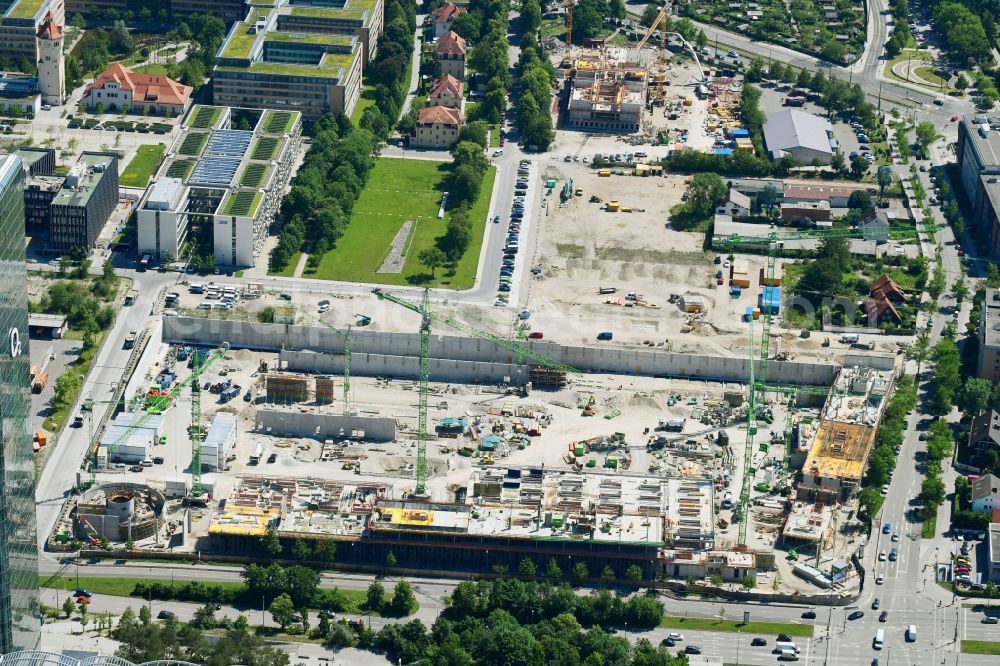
(257, 454)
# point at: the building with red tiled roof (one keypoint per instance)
(437, 127)
(450, 51)
(886, 288)
(880, 310)
(118, 86)
(444, 15)
(447, 91)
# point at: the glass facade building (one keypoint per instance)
(20, 627)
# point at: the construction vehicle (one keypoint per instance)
(41, 379)
(426, 316)
(757, 386)
(588, 409)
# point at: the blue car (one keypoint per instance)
(887, 528)
(504, 287)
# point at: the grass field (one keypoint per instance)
(289, 269)
(142, 166)
(354, 600)
(400, 190)
(712, 624)
(366, 99)
(929, 527)
(980, 647)
(152, 69)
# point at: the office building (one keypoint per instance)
(85, 201)
(21, 24)
(300, 56)
(229, 181)
(227, 10)
(20, 627)
(988, 358)
(38, 161)
(978, 156)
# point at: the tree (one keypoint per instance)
(991, 590)
(634, 574)
(860, 200)
(390, 559)
(776, 71)
(145, 615)
(834, 52)
(960, 290)
(607, 574)
(704, 193)
(767, 198)
(282, 609)
(301, 550)
(932, 490)
(553, 570)
(649, 14)
(78, 22)
(526, 568)
(403, 600)
(68, 607)
(616, 9)
(748, 583)
(716, 580)
(375, 597)
(120, 40)
(837, 162)
(701, 40)
(580, 571)
(884, 179)
(974, 398)
(433, 258)
(789, 76)
(588, 19)
(859, 166)
(324, 551)
(926, 134)
(270, 543)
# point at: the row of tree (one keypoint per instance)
(962, 32)
(509, 622)
(318, 207)
(534, 113)
(389, 71)
(901, 37)
(889, 437)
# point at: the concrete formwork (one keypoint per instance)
(401, 349)
(324, 426)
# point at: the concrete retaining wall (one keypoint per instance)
(324, 426)
(397, 347)
(403, 367)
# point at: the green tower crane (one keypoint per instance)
(426, 316)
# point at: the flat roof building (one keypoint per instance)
(298, 56)
(84, 203)
(978, 156)
(988, 357)
(232, 180)
(805, 136)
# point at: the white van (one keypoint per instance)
(879, 639)
(911, 633)
(782, 646)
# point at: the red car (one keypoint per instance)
(954, 119)
(719, 281)
(961, 253)
(536, 335)
(502, 142)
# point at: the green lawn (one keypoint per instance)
(400, 190)
(980, 647)
(289, 270)
(929, 527)
(366, 99)
(116, 587)
(713, 624)
(152, 69)
(142, 166)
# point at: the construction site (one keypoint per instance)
(447, 441)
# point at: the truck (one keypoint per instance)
(879, 639)
(144, 261)
(911, 633)
(607, 290)
(131, 297)
(130, 340)
(795, 100)
(672, 425)
(257, 454)
(229, 394)
(41, 379)
(849, 339)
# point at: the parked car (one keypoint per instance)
(166, 615)
(883, 616)
(809, 615)
(856, 615)
(875, 603)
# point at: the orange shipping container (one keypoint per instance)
(41, 437)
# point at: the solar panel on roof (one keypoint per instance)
(229, 142)
(215, 171)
